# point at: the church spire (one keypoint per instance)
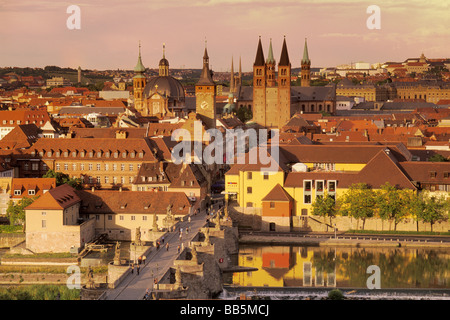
(259, 60)
(205, 77)
(284, 58)
(232, 77)
(139, 66)
(305, 54)
(270, 58)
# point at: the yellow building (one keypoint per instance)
(328, 169)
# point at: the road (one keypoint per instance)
(134, 286)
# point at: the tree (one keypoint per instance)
(429, 209)
(393, 204)
(437, 158)
(16, 211)
(244, 114)
(358, 202)
(324, 206)
(63, 178)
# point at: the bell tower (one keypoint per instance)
(259, 87)
(205, 94)
(284, 87)
(305, 73)
(139, 82)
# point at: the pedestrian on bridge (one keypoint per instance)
(137, 269)
(167, 246)
(144, 258)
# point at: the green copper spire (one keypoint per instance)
(305, 54)
(270, 58)
(139, 66)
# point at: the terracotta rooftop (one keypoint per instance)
(30, 187)
(129, 202)
(61, 197)
(277, 194)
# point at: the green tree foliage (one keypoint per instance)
(244, 114)
(437, 158)
(393, 204)
(63, 178)
(430, 209)
(16, 211)
(358, 202)
(324, 206)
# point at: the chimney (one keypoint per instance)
(121, 134)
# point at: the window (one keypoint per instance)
(249, 190)
(17, 192)
(307, 186)
(58, 167)
(97, 217)
(307, 199)
(432, 174)
(90, 166)
(272, 205)
(122, 167)
(114, 167)
(99, 154)
(44, 223)
(66, 166)
(109, 217)
(446, 174)
(130, 167)
(121, 218)
(82, 166)
(266, 176)
(98, 180)
(31, 192)
(331, 186)
(133, 218)
(44, 213)
(74, 154)
(319, 186)
(35, 166)
(99, 167)
(249, 204)
(144, 218)
(106, 179)
(122, 180)
(249, 176)
(74, 166)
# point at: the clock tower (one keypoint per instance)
(205, 94)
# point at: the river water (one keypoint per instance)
(342, 267)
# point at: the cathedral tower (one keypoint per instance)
(305, 73)
(205, 94)
(139, 82)
(270, 67)
(259, 87)
(284, 87)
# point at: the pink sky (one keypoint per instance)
(33, 33)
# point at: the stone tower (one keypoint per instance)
(139, 82)
(284, 88)
(259, 87)
(205, 94)
(305, 73)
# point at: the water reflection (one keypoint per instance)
(290, 266)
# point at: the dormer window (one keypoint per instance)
(99, 154)
(66, 153)
(91, 154)
(17, 192)
(124, 154)
(108, 154)
(116, 154)
(31, 192)
(82, 154)
(141, 154)
(133, 154)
